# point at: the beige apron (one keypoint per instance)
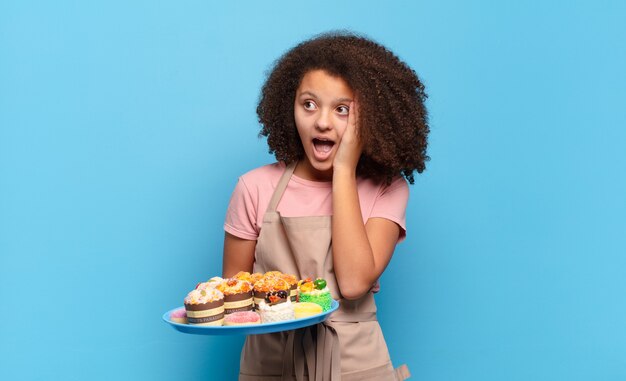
(348, 346)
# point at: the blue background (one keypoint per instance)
(124, 127)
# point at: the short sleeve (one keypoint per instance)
(391, 204)
(241, 215)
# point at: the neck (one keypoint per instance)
(306, 171)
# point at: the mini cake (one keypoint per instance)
(255, 277)
(179, 316)
(242, 318)
(205, 307)
(293, 286)
(252, 278)
(306, 309)
(271, 282)
(237, 295)
(276, 307)
(244, 275)
(211, 283)
(315, 292)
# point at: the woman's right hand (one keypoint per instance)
(350, 145)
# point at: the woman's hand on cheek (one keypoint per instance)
(350, 145)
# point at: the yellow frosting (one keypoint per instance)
(305, 309)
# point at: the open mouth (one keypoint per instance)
(323, 146)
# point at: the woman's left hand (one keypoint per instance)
(350, 145)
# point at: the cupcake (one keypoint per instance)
(276, 307)
(244, 275)
(315, 292)
(205, 307)
(255, 277)
(270, 282)
(211, 283)
(237, 295)
(293, 286)
(242, 318)
(306, 309)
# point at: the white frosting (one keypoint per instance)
(276, 312)
(211, 283)
(203, 296)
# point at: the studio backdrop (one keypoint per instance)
(124, 127)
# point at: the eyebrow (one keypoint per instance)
(338, 100)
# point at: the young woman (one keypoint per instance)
(346, 121)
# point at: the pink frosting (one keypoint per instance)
(179, 313)
(243, 317)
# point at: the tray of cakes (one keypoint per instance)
(251, 304)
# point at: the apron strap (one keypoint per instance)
(322, 354)
(281, 186)
(402, 372)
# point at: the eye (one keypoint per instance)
(309, 105)
(343, 110)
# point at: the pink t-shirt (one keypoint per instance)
(254, 190)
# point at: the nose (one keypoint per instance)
(323, 121)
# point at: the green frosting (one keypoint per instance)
(324, 299)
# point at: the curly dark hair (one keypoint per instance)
(392, 120)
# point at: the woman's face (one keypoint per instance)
(321, 114)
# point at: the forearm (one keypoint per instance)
(353, 258)
(238, 255)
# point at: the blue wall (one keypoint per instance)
(124, 127)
